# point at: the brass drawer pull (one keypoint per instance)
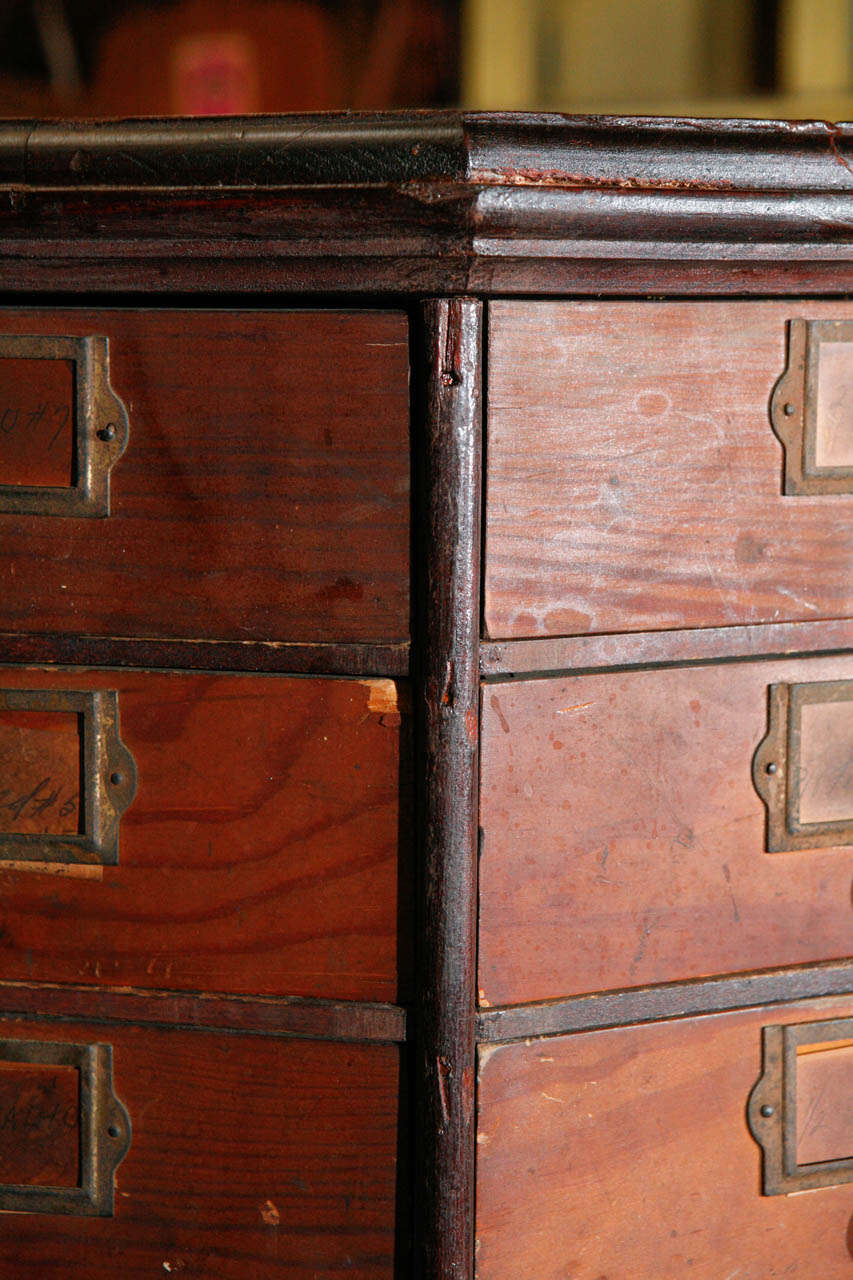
(73, 412)
(811, 408)
(66, 777)
(803, 767)
(62, 1126)
(799, 1111)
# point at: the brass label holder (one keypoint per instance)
(777, 772)
(772, 1109)
(794, 408)
(101, 428)
(108, 779)
(105, 1131)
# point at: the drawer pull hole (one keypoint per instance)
(771, 768)
(790, 409)
(108, 432)
(118, 778)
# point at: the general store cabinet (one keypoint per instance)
(426, 698)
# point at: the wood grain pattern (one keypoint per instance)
(263, 495)
(265, 851)
(39, 1125)
(626, 1153)
(659, 648)
(249, 1157)
(297, 1017)
(623, 840)
(634, 480)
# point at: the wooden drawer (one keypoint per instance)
(249, 1156)
(625, 843)
(634, 480)
(627, 1152)
(259, 853)
(262, 493)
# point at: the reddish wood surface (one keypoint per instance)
(39, 1125)
(260, 854)
(249, 1157)
(263, 493)
(825, 1102)
(626, 1153)
(303, 1018)
(37, 444)
(647, 648)
(40, 755)
(624, 841)
(634, 482)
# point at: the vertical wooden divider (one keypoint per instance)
(446, 626)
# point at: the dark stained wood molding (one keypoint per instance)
(446, 704)
(232, 153)
(353, 1021)
(669, 1000)
(391, 660)
(501, 658)
(453, 203)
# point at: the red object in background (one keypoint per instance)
(215, 74)
(214, 57)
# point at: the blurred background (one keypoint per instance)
(789, 58)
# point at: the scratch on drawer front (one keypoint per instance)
(384, 699)
(270, 1215)
(81, 870)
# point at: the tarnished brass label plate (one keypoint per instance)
(62, 427)
(803, 767)
(66, 778)
(80, 1115)
(800, 1111)
(811, 408)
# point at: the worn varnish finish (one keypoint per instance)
(209, 655)
(663, 1000)
(265, 851)
(624, 841)
(657, 648)
(627, 1153)
(449, 203)
(288, 1016)
(634, 482)
(249, 1157)
(262, 495)
(448, 734)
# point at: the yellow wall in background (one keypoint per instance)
(653, 57)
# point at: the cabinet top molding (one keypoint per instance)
(442, 201)
(474, 148)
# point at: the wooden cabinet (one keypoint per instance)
(426, 672)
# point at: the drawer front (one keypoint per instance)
(259, 853)
(625, 843)
(262, 491)
(627, 1153)
(635, 481)
(247, 1156)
